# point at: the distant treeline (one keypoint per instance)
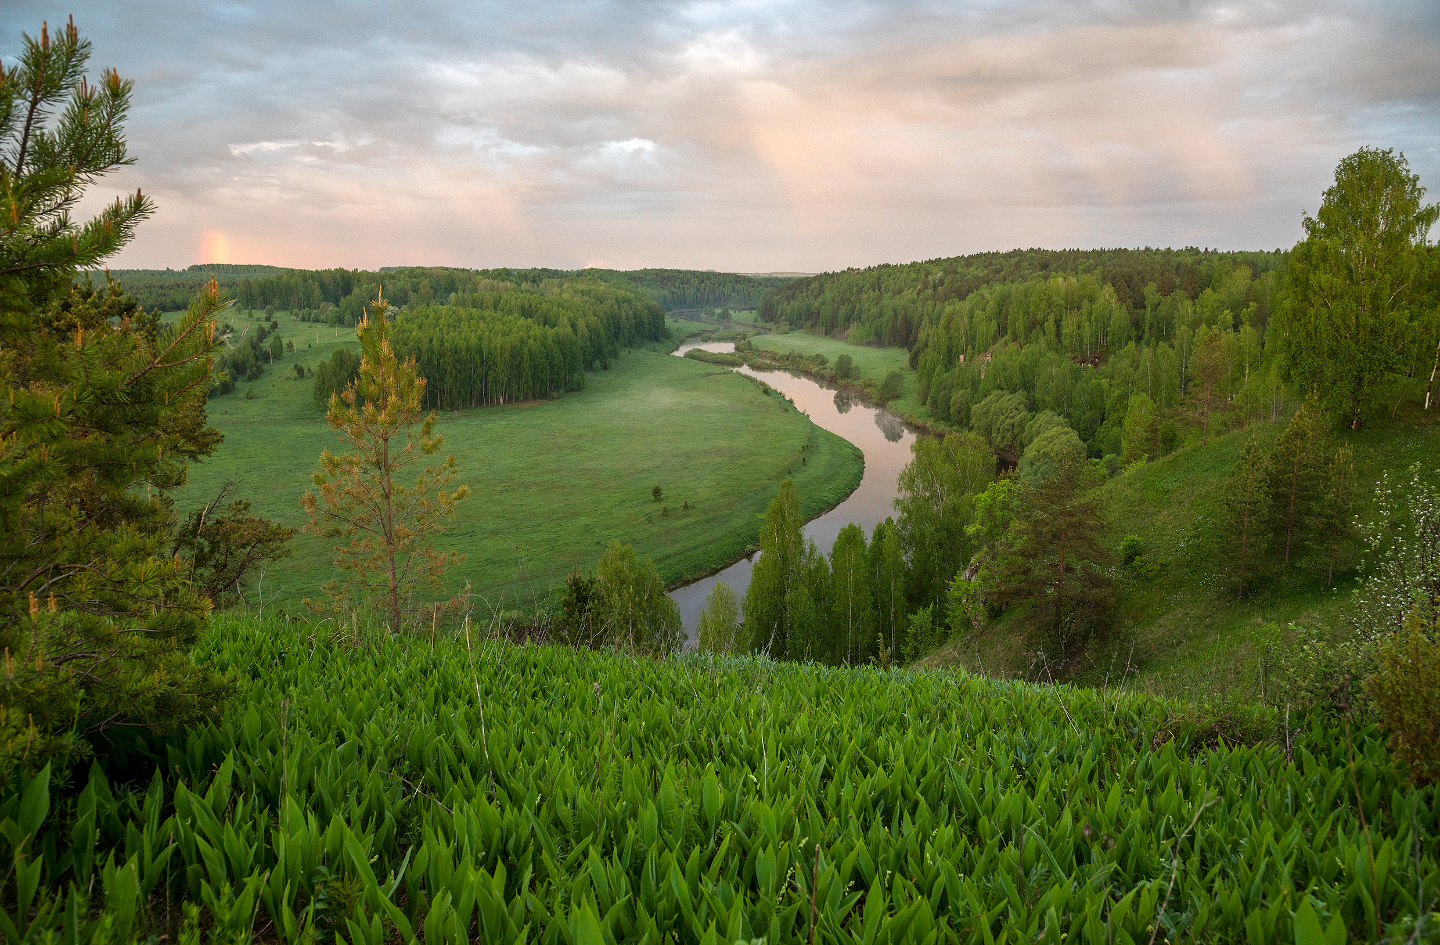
(887, 304)
(1008, 344)
(679, 289)
(507, 342)
(172, 290)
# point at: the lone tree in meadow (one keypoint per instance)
(1355, 301)
(387, 528)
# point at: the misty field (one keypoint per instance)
(551, 482)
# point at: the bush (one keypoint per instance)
(1131, 549)
(1405, 688)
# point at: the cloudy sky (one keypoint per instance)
(744, 136)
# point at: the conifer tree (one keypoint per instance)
(105, 408)
(1335, 518)
(1052, 557)
(1292, 479)
(387, 527)
(1245, 524)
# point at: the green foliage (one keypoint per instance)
(1359, 305)
(679, 289)
(891, 387)
(844, 367)
(1047, 452)
(885, 561)
(1140, 439)
(1131, 550)
(1405, 688)
(334, 375)
(386, 522)
(500, 342)
(504, 792)
(104, 410)
(781, 618)
(225, 545)
(852, 616)
(1051, 557)
(934, 500)
(632, 609)
(1293, 480)
(719, 625)
(1245, 528)
(1402, 558)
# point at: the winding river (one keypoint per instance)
(882, 437)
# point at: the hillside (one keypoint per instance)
(466, 790)
(1181, 628)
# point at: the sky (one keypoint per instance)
(746, 136)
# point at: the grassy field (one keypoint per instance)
(872, 362)
(1181, 629)
(552, 482)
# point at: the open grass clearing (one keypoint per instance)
(551, 482)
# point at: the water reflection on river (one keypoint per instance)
(881, 436)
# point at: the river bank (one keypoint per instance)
(883, 439)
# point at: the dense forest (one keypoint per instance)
(1149, 341)
(507, 342)
(682, 289)
(171, 290)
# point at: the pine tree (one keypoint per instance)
(1245, 524)
(105, 409)
(1053, 559)
(1335, 520)
(388, 528)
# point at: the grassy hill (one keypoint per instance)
(467, 790)
(1181, 628)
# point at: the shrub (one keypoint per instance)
(1406, 690)
(1131, 550)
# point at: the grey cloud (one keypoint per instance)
(751, 135)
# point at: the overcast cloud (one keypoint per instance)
(749, 136)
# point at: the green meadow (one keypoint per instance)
(551, 483)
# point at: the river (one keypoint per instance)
(882, 437)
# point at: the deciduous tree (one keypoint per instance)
(719, 621)
(1355, 299)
